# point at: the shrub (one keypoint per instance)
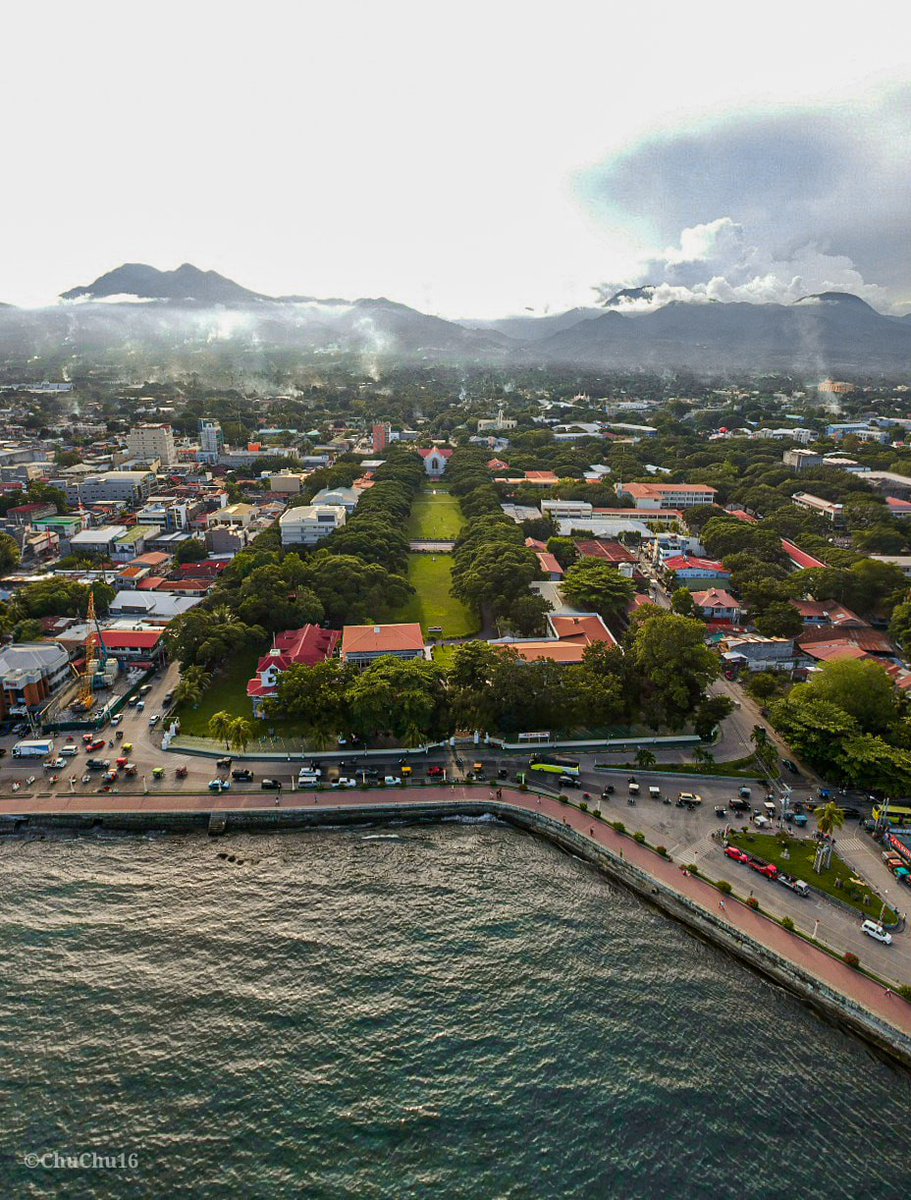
(583, 806)
(753, 903)
(787, 923)
(905, 992)
(692, 868)
(523, 786)
(564, 799)
(723, 886)
(662, 850)
(851, 959)
(619, 826)
(639, 837)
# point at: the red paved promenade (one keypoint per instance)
(832, 972)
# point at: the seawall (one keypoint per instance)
(830, 1003)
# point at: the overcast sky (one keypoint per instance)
(469, 159)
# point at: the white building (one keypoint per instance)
(150, 442)
(211, 441)
(309, 524)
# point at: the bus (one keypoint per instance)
(554, 763)
(896, 813)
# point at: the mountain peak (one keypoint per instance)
(186, 284)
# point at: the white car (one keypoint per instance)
(392, 781)
(874, 930)
(342, 782)
(69, 750)
(153, 721)
(53, 764)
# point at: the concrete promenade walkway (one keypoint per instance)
(829, 971)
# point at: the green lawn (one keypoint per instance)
(802, 852)
(433, 603)
(435, 516)
(228, 692)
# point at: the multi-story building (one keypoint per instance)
(825, 508)
(668, 495)
(309, 524)
(295, 647)
(345, 497)
(382, 434)
(151, 442)
(115, 487)
(30, 673)
(801, 460)
(98, 542)
(211, 441)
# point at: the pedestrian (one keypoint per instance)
(499, 793)
(538, 801)
(277, 801)
(721, 905)
(591, 831)
(888, 991)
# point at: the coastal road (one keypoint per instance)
(831, 971)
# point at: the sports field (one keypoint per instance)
(435, 516)
(433, 605)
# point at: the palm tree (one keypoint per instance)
(703, 756)
(827, 822)
(645, 758)
(220, 727)
(188, 692)
(239, 734)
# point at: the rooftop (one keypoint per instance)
(381, 639)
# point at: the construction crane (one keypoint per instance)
(94, 656)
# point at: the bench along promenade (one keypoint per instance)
(868, 1006)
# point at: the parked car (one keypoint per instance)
(789, 766)
(343, 782)
(738, 805)
(391, 780)
(763, 868)
(689, 798)
(242, 775)
(874, 930)
(271, 785)
(435, 772)
(737, 854)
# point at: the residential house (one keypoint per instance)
(717, 605)
(691, 572)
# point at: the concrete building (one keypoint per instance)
(151, 442)
(114, 487)
(801, 460)
(382, 435)
(835, 513)
(30, 673)
(99, 542)
(668, 495)
(238, 516)
(309, 524)
(211, 441)
(565, 509)
(890, 482)
(343, 497)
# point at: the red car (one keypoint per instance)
(92, 746)
(768, 869)
(434, 771)
(737, 854)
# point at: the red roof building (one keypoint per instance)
(550, 566)
(828, 613)
(610, 551)
(800, 560)
(364, 644)
(293, 648)
(572, 636)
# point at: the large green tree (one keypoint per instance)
(675, 664)
(595, 586)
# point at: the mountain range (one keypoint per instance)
(185, 310)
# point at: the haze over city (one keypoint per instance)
(472, 161)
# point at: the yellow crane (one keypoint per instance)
(87, 699)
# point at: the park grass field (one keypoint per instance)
(435, 517)
(227, 692)
(433, 604)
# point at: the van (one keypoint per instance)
(69, 751)
(307, 779)
(634, 789)
(654, 792)
(874, 930)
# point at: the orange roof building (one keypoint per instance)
(364, 644)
